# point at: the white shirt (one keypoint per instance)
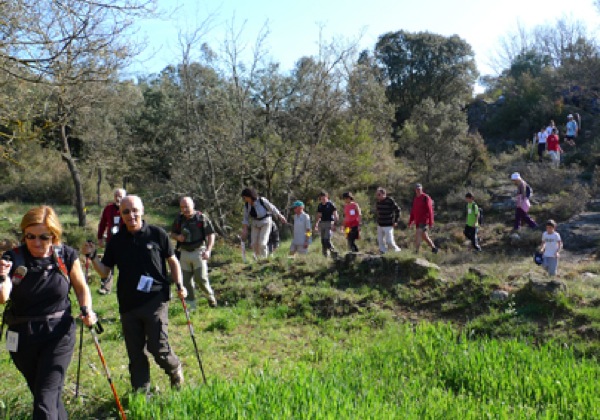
(542, 136)
(553, 242)
(301, 225)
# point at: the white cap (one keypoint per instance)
(570, 116)
(515, 176)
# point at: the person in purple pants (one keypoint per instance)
(522, 202)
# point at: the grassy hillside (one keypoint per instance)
(308, 338)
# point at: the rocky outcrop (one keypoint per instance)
(543, 289)
(582, 232)
(386, 271)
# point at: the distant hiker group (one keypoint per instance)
(547, 139)
(258, 212)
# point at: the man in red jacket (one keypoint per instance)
(421, 215)
(110, 221)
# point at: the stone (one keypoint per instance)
(477, 272)
(499, 295)
(544, 289)
(418, 268)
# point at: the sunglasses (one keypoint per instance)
(129, 211)
(42, 237)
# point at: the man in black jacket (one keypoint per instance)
(141, 252)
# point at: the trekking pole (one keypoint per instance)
(191, 328)
(243, 246)
(100, 330)
(87, 267)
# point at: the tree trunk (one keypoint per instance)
(66, 156)
(79, 200)
(98, 183)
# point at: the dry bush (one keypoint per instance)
(569, 203)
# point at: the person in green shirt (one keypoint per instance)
(472, 226)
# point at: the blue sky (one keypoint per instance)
(294, 26)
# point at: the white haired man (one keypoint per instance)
(143, 292)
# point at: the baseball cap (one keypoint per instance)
(418, 186)
(570, 116)
(515, 175)
(298, 203)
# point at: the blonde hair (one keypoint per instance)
(43, 215)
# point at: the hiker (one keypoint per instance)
(258, 212)
(571, 133)
(554, 149)
(327, 217)
(522, 203)
(302, 230)
(388, 214)
(541, 143)
(41, 330)
(352, 219)
(551, 246)
(551, 126)
(143, 291)
(472, 225)
(421, 215)
(195, 238)
(110, 222)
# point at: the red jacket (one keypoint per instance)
(552, 143)
(108, 221)
(421, 212)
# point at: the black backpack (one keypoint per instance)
(528, 191)
(252, 212)
(480, 216)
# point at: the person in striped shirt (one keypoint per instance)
(388, 214)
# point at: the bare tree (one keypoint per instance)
(66, 45)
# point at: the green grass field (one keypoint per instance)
(297, 338)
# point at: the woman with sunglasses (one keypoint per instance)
(35, 280)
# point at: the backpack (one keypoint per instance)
(252, 212)
(17, 256)
(480, 216)
(528, 191)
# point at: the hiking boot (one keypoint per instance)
(212, 302)
(177, 378)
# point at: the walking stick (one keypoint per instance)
(87, 267)
(100, 330)
(191, 328)
(243, 246)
